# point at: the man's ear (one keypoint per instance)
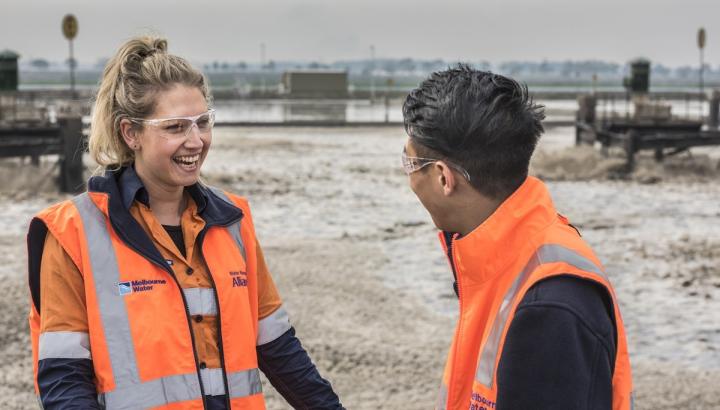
(446, 178)
(130, 134)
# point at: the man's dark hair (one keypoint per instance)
(484, 122)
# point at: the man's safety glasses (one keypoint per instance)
(179, 127)
(412, 164)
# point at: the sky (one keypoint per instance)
(330, 30)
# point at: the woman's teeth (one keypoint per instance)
(187, 160)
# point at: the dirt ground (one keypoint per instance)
(357, 262)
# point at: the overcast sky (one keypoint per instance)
(330, 30)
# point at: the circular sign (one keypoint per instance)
(701, 38)
(69, 26)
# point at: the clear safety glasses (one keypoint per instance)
(412, 164)
(179, 127)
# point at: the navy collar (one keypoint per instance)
(132, 188)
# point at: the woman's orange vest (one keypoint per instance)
(523, 242)
(141, 343)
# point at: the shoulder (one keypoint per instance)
(57, 218)
(56, 210)
(569, 302)
(227, 196)
(63, 224)
(224, 204)
(588, 299)
(239, 200)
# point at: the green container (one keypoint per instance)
(639, 80)
(8, 71)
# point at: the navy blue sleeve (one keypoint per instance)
(288, 367)
(559, 352)
(67, 384)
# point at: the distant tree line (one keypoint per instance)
(409, 67)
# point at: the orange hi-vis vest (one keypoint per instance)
(142, 349)
(523, 242)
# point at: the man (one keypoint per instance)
(539, 325)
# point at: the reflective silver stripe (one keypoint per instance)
(106, 276)
(545, 254)
(213, 382)
(442, 398)
(200, 301)
(154, 393)
(559, 253)
(244, 383)
(64, 345)
(273, 326)
(184, 387)
(233, 229)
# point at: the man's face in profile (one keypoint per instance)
(422, 184)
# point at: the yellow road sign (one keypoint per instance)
(69, 26)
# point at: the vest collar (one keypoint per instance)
(491, 247)
(122, 187)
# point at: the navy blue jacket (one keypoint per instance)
(559, 352)
(69, 383)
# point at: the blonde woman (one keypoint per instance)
(150, 290)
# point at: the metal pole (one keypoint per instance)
(372, 73)
(702, 85)
(71, 164)
(72, 70)
(262, 68)
(702, 69)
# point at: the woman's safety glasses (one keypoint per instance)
(179, 127)
(412, 164)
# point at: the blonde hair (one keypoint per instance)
(140, 69)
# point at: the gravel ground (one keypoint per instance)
(357, 262)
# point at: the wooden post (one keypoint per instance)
(714, 115)
(387, 109)
(659, 154)
(631, 145)
(71, 165)
(585, 115)
(577, 135)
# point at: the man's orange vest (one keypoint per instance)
(142, 348)
(523, 242)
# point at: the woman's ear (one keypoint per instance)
(130, 134)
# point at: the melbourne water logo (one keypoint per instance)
(124, 288)
(142, 285)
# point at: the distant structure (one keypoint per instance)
(647, 123)
(315, 83)
(8, 70)
(638, 88)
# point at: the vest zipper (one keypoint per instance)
(200, 239)
(449, 254)
(458, 287)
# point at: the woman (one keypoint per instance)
(150, 290)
